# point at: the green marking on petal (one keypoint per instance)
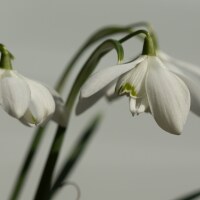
(127, 88)
(34, 120)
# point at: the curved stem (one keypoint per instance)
(46, 178)
(88, 68)
(39, 133)
(100, 34)
(104, 32)
(149, 46)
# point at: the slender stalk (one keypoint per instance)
(39, 133)
(46, 178)
(75, 155)
(45, 183)
(100, 34)
(87, 69)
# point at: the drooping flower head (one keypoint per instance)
(150, 86)
(25, 99)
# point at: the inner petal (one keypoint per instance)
(132, 82)
(138, 105)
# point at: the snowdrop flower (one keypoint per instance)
(150, 86)
(25, 99)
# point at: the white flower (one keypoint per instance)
(151, 87)
(25, 99)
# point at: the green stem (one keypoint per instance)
(86, 70)
(100, 34)
(149, 46)
(75, 155)
(45, 182)
(46, 178)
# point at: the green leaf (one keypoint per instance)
(190, 196)
(75, 155)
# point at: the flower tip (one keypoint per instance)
(175, 130)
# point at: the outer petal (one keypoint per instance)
(187, 68)
(41, 107)
(168, 97)
(194, 88)
(102, 78)
(14, 93)
(188, 73)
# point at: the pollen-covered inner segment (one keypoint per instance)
(127, 88)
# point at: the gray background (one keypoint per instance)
(129, 158)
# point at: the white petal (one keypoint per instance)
(193, 85)
(138, 105)
(194, 88)
(132, 104)
(102, 78)
(134, 79)
(14, 93)
(60, 115)
(168, 97)
(187, 68)
(41, 107)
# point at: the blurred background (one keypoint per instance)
(128, 158)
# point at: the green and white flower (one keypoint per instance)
(29, 101)
(25, 99)
(151, 86)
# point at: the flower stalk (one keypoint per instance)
(39, 133)
(45, 182)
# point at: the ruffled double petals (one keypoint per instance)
(151, 85)
(25, 99)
